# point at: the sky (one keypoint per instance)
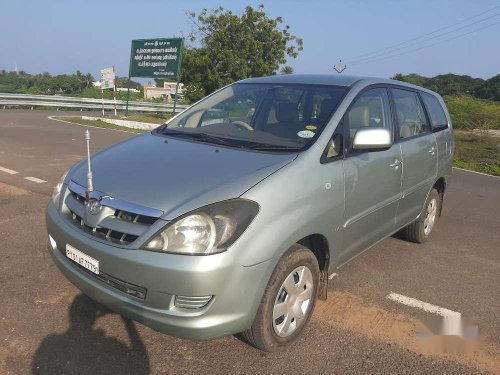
(87, 35)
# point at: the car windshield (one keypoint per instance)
(259, 116)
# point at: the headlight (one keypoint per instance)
(208, 230)
(56, 194)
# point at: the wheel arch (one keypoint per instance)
(319, 246)
(440, 186)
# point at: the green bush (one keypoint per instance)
(468, 113)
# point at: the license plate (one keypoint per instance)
(82, 259)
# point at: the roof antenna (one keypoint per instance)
(90, 185)
(340, 68)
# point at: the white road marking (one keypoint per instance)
(34, 179)
(468, 170)
(7, 170)
(427, 307)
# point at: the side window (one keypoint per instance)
(436, 112)
(410, 114)
(371, 109)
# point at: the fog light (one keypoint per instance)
(187, 302)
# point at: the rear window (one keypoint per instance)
(435, 110)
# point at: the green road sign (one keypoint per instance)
(156, 58)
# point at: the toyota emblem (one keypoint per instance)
(94, 206)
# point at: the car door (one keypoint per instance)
(372, 178)
(419, 153)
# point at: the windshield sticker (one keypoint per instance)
(305, 134)
(311, 127)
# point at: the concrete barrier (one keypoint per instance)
(124, 123)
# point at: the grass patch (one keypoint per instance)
(100, 124)
(477, 152)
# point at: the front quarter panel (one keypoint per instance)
(303, 198)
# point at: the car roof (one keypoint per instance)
(317, 79)
(329, 79)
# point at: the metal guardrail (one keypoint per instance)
(23, 100)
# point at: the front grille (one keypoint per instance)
(132, 290)
(119, 226)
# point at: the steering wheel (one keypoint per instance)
(242, 124)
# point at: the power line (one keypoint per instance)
(424, 35)
(429, 45)
(426, 40)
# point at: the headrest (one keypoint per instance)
(287, 112)
(359, 116)
(327, 106)
(405, 131)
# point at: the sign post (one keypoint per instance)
(178, 76)
(155, 58)
(108, 81)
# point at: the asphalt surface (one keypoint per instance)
(48, 327)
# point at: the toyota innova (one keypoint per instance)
(231, 216)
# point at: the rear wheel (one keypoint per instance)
(420, 230)
(288, 301)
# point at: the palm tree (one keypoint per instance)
(287, 69)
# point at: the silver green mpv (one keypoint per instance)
(230, 217)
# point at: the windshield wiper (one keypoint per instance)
(204, 137)
(269, 147)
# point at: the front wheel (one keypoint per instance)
(288, 301)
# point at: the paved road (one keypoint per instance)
(48, 326)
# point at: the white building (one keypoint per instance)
(125, 89)
(167, 91)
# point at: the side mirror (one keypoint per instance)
(372, 139)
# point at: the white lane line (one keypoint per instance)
(34, 179)
(427, 307)
(7, 170)
(483, 174)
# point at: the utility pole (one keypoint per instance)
(339, 68)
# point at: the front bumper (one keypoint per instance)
(236, 290)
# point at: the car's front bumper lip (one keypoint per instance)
(237, 290)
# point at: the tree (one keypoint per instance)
(287, 69)
(452, 84)
(230, 47)
(490, 89)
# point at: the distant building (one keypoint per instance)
(167, 91)
(171, 87)
(125, 89)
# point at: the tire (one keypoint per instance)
(420, 230)
(298, 271)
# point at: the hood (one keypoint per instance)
(176, 176)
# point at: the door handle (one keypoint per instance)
(432, 150)
(395, 165)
